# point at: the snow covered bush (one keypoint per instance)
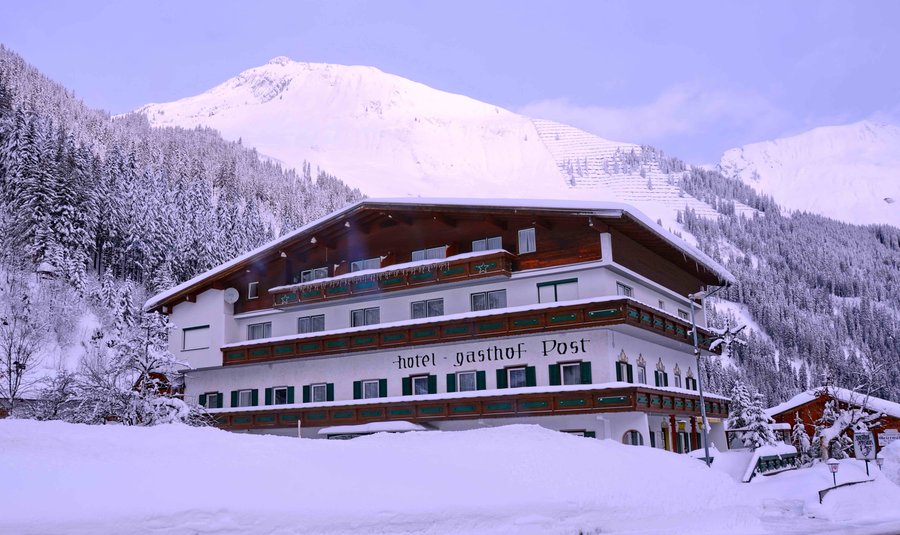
(747, 417)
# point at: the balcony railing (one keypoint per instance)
(540, 319)
(389, 280)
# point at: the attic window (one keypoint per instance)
(253, 290)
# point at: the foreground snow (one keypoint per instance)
(63, 478)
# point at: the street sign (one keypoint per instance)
(864, 446)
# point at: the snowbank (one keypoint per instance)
(891, 467)
(519, 479)
(75, 479)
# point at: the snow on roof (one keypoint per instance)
(373, 427)
(844, 395)
(598, 208)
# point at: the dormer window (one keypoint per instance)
(432, 253)
(369, 263)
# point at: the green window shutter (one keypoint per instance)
(202, 400)
(357, 389)
(619, 372)
(530, 376)
(290, 394)
(590, 434)
(407, 386)
(329, 392)
(480, 380)
(382, 388)
(306, 394)
(630, 372)
(254, 397)
(219, 400)
(554, 375)
(234, 398)
(656, 377)
(586, 378)
(432, 384)
(501, 378)
(665, 377)
(451, 382)
(268, 396)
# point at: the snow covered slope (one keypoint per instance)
(849, 172)
(381, 133)
(390, 136)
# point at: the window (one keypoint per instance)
(311, 324)
(516, 377)
(244, 398)
(622, 289)
(489, 300)
(624, 372)
(677, 380)
(256, 331)
(642, 375)
(633, 438)
(308, 275)
(661, 304)
(195, 338)
(662, 379)
(432, 253)
(580, 433)
(370, 389)
(253, 290)
(571, 373)
(364, 316)
(369, 263)
(420, 385)
(211, 400)
(427, 309)
(564, 290)
(487, 244)
(684, 314)
(466, 382)
(527, 241)
(318, 392)
(279, 395)
(690, 383)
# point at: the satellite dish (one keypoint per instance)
(231, 296)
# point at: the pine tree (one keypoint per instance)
(800, 440)
(740, 404)
(759, 432)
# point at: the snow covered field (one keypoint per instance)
(65, 478)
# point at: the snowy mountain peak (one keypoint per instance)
(846, 172)
(390, 136)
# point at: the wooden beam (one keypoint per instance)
(441, 218)
(541, 222)
(597, 225)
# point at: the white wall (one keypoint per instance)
(209, 309)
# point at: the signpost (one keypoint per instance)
(864, 447)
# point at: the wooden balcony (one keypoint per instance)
(485, 326)
(402, 278)
(492, 404)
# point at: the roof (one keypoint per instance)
(595, 208)
(844, 395)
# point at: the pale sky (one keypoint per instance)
(693, 78)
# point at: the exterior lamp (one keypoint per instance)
(879, 461)
(691, 298)
(833, 465)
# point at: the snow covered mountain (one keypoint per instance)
(390, 136)
(849, 172)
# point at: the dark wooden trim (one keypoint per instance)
(564, 317)
(497, 264)
(425, 410)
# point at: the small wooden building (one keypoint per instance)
(810, 406)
